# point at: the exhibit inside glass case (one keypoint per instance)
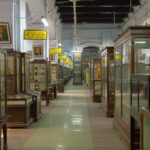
(39, 77)
(3, 101)
(96, 79)
(108, 80)
(129, 49)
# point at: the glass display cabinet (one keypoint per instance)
(96, 80)
(25, 86)
(108, 81)
(54, 72)
(61, 78)
(132, 50)
(39, 77)
(77, 68)
(3, 102)
(140, 111)
(18, 104)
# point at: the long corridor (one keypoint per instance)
(70, 122)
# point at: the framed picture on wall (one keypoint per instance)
(4, 33)
(38, 51)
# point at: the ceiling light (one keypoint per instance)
(140, 42)
(45, 22)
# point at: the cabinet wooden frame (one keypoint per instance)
(125, 66)
(107, 82)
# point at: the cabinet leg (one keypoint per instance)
(5, 136)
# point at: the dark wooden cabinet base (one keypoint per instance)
(20, 115)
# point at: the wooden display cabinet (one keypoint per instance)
(60, 83)
(3, 102)
(96, 80)
(77, 68)
(107, 98)
(39, 77)
(25, 86)
(18, 103)
(54, 72)
(131, 56)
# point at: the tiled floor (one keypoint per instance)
(71, 122)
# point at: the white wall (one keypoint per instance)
(100, 35)
(6, 15)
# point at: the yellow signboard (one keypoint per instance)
(55, 51)
(35, 34)
(62, 57)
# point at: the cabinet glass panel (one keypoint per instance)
(104, 76)
(142, 55)
(134, 93)
(18, 74)
(96, 67)
(27, 72)
(118, 56)
(2, 84)
(126, 82)
(144, 93)
(146, 133)
(97, 87)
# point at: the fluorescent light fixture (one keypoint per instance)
(140, 42)
(44, 22)
(59, 44)
(76, 51)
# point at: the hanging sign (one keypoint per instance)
(35, 34)
(55, 50)
(62, 57)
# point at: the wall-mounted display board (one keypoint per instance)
(140, 111)
(132, 50)
(39, 76)
(108, 81)
(77, 68)
(3, 102)
(96, 79)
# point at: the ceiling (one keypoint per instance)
(96, 11)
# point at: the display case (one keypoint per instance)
(77, 68)
(132, 49)
(25, 86)
(140, 111)
(96, 80)
(3, 102)
(108, 81)
(39, 77)
(54, 72)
